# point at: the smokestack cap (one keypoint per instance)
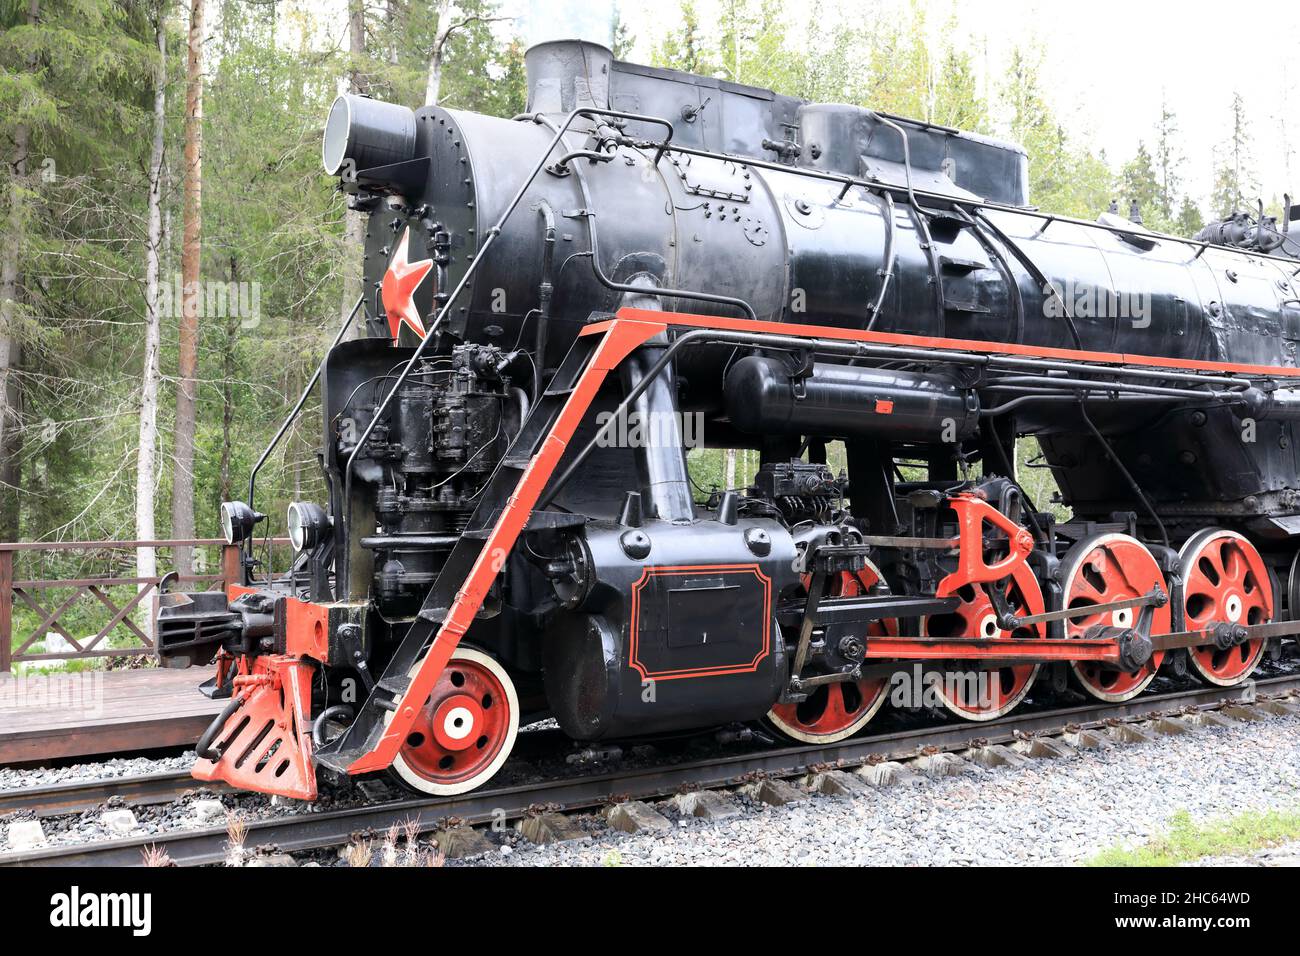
(564, 75)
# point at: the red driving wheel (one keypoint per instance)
(1102, 570)
(465, 730)
(1225, 581)
(988, 693)
(835, 711)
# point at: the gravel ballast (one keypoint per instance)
(1050, 811)
(115, 768)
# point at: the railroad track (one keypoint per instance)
(320, 829)
(77, 796)
(81, 795)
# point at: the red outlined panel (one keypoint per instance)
(749, 654)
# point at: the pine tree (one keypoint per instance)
(10, 266)
(1189, 221)
(1063, 177)
(1139, 183)
(685, 48)
(957, 101)
(187, 385)
(623, 39)
(70, 97)
(1168, 160)
(1235, 187)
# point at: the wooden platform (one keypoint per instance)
(45, 717)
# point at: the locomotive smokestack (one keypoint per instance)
(564, 75)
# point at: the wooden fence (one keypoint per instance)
(114, 599)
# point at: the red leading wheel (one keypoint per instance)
(1101, 570)
(1225, 581)
(465, 730)
(988, 693)
(835, 711)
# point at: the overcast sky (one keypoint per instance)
(1115, 59)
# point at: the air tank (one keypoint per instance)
(764, 397)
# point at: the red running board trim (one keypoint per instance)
(686, 320)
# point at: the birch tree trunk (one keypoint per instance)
(445, 27)
(10, 336)
(191, 250)
(354, 226)
(146, 477)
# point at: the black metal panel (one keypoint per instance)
(683, 637)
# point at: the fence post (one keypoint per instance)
(6, 610)
(232, 566)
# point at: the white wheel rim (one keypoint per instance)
(423, 784)
(795, 733)
(1233, 605)
(1067, 577)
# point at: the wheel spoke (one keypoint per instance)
(1129, 571)
(956, 691)
(1086, 589)
(833, 719)
(836, 712)
(1242, 595)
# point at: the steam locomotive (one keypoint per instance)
(561, 306)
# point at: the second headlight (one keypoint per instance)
(307, 525)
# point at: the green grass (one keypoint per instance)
(1188, 840)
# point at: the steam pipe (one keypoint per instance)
(1124, 473)
(1055, 381)
(544, 293)
(662, 455)
(995, 410)
(887, 271)
(919, 215)
(836, 347)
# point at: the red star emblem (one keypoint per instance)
(399, 285)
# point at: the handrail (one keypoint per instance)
(846, 182)
(109, 545)
(302, 400)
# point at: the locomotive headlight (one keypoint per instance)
(237, 520)
(369, 132)
(307, 525)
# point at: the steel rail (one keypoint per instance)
(80, 795)
(164, 786)
(312, 831)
